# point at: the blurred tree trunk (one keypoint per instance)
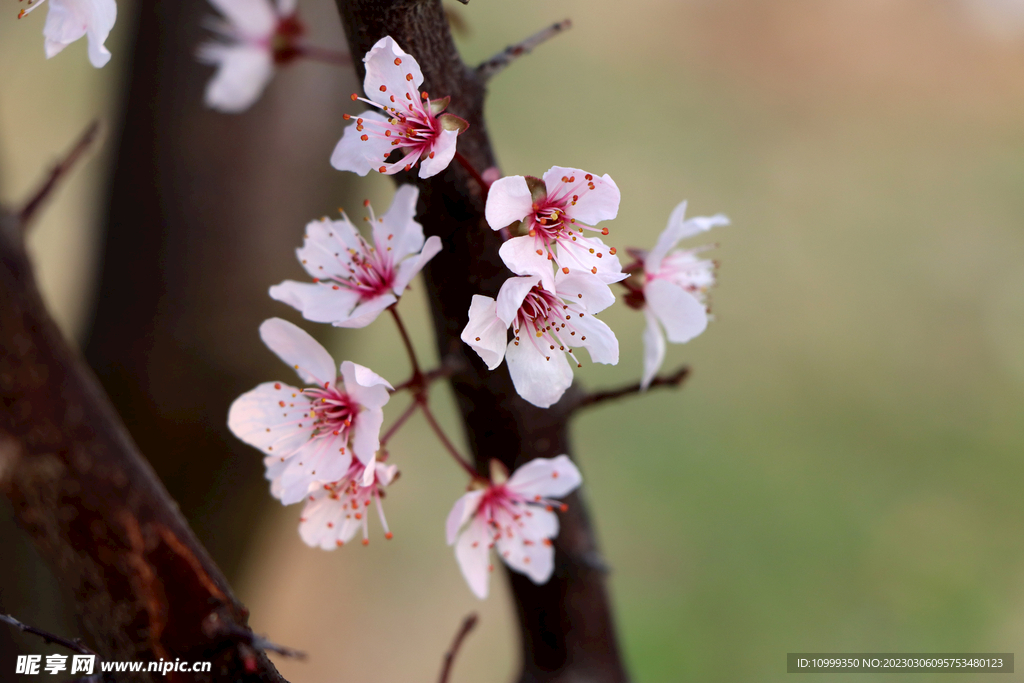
(205, 211)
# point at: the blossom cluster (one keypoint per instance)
(321, 440)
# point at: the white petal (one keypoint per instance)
(366, 312)
(319, 303)
(323, 521)
(69, 20)
(577, 256)
(443, 150)
(324, 459)
(258, 418)
(243, 72)
(399, 229)
(485, 332)
(295, 347)
(382, 70)
(654, 349)
(546, 478)
(508, 201)
(463, 509)
(253, 19)
(326, 249)
(366, 434)
(679, 229)
(520, 256)
(511, 295)
(471, 551)
(352, 153)
(286, 8)
(540, 379)
(585, 290)
(364, 385)
(525, 550)
(408, 268)
(600, 341)
(593, 206)
(679, 311)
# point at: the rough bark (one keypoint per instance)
(567, 630)
(144, 587)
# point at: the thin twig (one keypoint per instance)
(398, 423)
(28, 212)
(73, 645)
(449, 366)
(449, 657)
(325, 55)
(247, 637)
(673, 380)
(417, 375)
(445, 441)
(498, 62)
(485, 186)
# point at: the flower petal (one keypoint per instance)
(485, 332)
(298, 349)
(408, 268)
(366, 312)
(323, 459)
(546, 477)
(352, 153)
(326, 249)
(654, 349)
(387, 68)
(679, 229)
(461, 512)
(539, 378)
(511, 295)
(600, 341)
(253, 19)
(508, 201)
(319, 303)
(443, 151)
(243, 72)
(520, 256)
(525, 551)
(398, 228)
(258, 418)
(69, 20)
(471, 552)
(679, 311)
(585, 290)
(592, 206)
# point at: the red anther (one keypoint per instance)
(389, 535)
(383, 88)
(346, 116)
(330, 525)
(359, 120)
(355, 97)
(407, 167)
(364, 137)
(554, 475)
(549, 508)
(383, 169)
(572, 179)
(392, 98)
(408, 77)
(589, 177)
(431, 155)
(594, 270)
(339, 543)
(604, 231)
(599, 254)
(565, 179)
(424, 95)
(366, 541)
(387, 133)
(565, 270)
(398, 61)
(563, 507)
(335, 287)
(612, 250)
(281, 403)
(277, 385)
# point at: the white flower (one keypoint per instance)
(675, 288)
(335, 511)
(410, 124)
(352, 280)
(516, 516)
(309, 435)
(256, 35)
(547, 323)
(69, 20)
(558, 212)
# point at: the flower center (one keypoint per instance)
(548, 323)
(284, 43)
(333, 412)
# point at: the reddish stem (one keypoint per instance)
(398, 423)
(416, 383)
(422, 402)
(484, 185)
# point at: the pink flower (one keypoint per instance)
(517, 516)
(559, 215)
(548, 321)
(257, 35)
(675, 288)
(69, 20)
(335, 511)
(410, 125)
(352, 280)
(309, 435)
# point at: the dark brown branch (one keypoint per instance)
(468, 624)
(567, 633)
(498, 62)
(669, 381)
(73, 645)
(143, 585)
(58, 173)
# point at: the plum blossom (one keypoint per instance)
(410, 123)
(69, 20)
(547, 322)
(335, 511)
(558, 213)
(353, 281)
(253, 37)
(515, 516)
(310, 435)
(674, 295)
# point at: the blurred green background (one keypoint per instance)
(843, 470)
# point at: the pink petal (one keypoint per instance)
(243, 72)
(258, 418)
(295, 347)
(508, 201)
(525, 551)
(538, 378)
(485, 332)
(678, 311)
(654, 349)
(677, 230)
(408, 268)
(547, 478)
(382, 70)
(511, 295)
(399, 229)
(585, 290)
(600, 341)
(319, 303)
(593, 206)
(366, 312)
(520, 256)
(352, 153)
(461, 512)
(472, 553)
(443, 150)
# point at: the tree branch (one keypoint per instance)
(498, 62)
(58, 173)
(673, 380)
(468, 624)
(73, 645)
